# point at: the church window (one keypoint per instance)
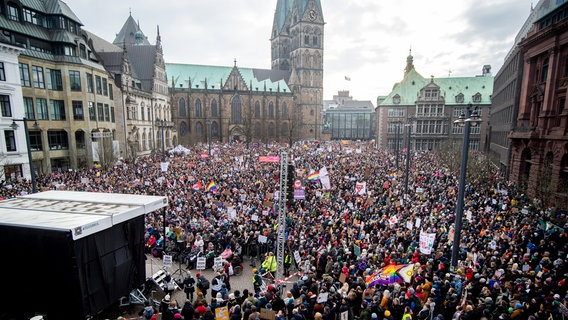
(183, 130)
(214, 111)
(236, 110)
(306, 40)
(257, 110)
(284, 129)
(271, 110)
(181, 108)
(257, 132)
(315, 41)
(271, 129)
(544, 70)
(312, 112)
(198, 109)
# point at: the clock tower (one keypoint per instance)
(297, 44)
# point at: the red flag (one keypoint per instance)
(197, 186)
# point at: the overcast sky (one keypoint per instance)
(365, 40)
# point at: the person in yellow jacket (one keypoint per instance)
(269, 264)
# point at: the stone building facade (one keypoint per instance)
(539, 139)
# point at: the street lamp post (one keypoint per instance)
(406, 173)
(208, 122)
(15, 126)
(397, 140)
(467, 119)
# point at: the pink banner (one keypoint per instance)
(268, 158)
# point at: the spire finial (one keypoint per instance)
(235, 61)
(130, 11)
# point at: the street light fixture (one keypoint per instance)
(15, 126)
(467, 119)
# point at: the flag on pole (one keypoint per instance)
(406, 272)
(313, 176)
(197, 186)
(211, 187)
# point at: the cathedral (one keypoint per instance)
(234, 103)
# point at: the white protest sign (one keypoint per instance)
(426, 242)
(164, 166)
(418, 222)
(297, 257)
(409, 225)
(200, 265)
(167, 259)
(254, 217)
(262, 239)
(217, 262)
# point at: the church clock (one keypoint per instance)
(313, 14)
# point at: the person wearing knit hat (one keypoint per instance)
(387, 313)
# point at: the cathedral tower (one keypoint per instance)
(297, 42)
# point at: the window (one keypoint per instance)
(105, 87)
(25, 75)
(544, 70)
(110, 94)
(112, 119)
(395, 112)
(99, 84)
(459, 98)
(13, 13)
(214, 112)
(5, 105)
(100, 112)
(271, 110)
(75, 80)
(236, 110)
(29, 108)
(2, 72)
(181, 108)
(107, 112)
(92, 111)
(82, 51)
(37, 73)
(35, 140)
(257, 110)
(57, 140)
(284, 111)
(57, 109)
(28, 15)
(78, 113)
(10, 139)
(396, 99)
(476, 97)
(54, 81)
(41, 109)
(89, 83)
(198, 109)
(142, 113)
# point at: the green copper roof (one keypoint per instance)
(409, 89)
(213, 75)
(285, 7)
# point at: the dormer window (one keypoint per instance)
(396, 99)
(459, 98)
(431, 94)
(476, 97)
(13, 13)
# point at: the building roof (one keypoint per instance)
(285, 7)
(79, 213)
(409, 89)
(260, 79)
(353, 106)
(131, 34)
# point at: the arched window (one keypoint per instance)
(181, 108)
(214, 112)
(236, 110)
(271, 129)
(183, 129)
(271, 110)
(199, 129)
(214, 129)
(198, 109)
(257, 110)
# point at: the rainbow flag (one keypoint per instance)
(385, 276)
(314, 176)
(211, 187)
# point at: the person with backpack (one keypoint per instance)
(202, 284)
(148, 311)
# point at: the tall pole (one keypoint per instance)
(397, 146)
(32, 172)
(461, 190)
(281, 231)
(209, 136)
(163, 124)
(407, 161)
(28, 148)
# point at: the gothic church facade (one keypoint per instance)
(284, 103)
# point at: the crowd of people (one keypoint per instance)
(511, 259)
